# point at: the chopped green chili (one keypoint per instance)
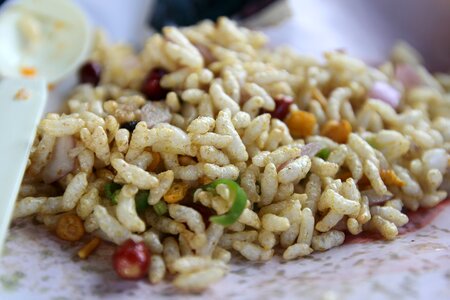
(324, 153)
(141, 200)
(371, 142)
(160, 208)
(114, 197)
(239, 201)
(112, 189)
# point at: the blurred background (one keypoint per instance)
(364, 28)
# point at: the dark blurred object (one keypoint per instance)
(90, 73)
(185, 12)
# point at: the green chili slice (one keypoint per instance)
(324, 153)
(141, 200)
(114, 197)
(112, 189)
(239, 201)
(160, 208)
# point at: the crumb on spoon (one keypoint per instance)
(22, 94)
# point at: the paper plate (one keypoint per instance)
(37, 265)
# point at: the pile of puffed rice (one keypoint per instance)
(155, 144)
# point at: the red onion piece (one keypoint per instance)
(407, 75)
(385, 92)
(311, 149)
(282, 104)
(281, 166)
(374, 198)
(208, 57)
(60, 163)
(154, 113)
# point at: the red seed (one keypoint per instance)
(90, 72)
(131, 260)
(281, 110)
(151, 87)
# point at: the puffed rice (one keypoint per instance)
(220, 121)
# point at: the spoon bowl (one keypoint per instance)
(45, 38)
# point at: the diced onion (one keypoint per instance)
(435, 159)
(385, 92)
(60, 163)
(311, 149)
(154, 113)
(407, 75)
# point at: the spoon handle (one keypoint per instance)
(22, 103)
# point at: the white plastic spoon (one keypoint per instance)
(22, 103)
(41, 41)
(44, 38)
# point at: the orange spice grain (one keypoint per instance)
(87, 249)
(337, 131)
(176, 193)
(155, 162)
(204, 180)
(390, 178)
